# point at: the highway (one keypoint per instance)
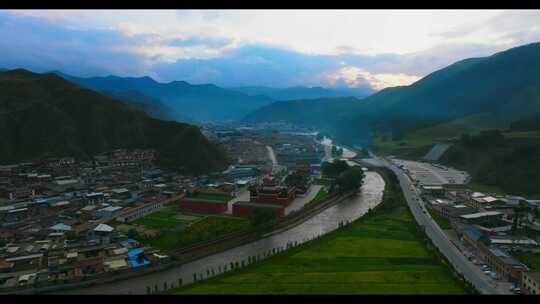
(462, 265)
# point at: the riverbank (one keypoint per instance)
(214, 264)
(383, 252)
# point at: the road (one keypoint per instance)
(462, 265)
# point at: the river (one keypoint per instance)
(320, 224)
(327, 142)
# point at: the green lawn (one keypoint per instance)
(382, 253)
(531, 259)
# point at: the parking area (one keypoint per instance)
(432, 174)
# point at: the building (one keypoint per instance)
(501, 262)
(141, 211)
(481, 218)
(205, 201)
(454, 211)
(474, 236)
(270, 193)
(246, 209)
(530, 283)
(95, 198)
(108, 212)
(511, 241)
(432, 190)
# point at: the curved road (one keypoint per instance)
(462, 265)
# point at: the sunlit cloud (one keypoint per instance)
(379, 48)
(355, 77)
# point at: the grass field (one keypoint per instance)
(175, 231)
(382, 253)
(531, 259)
(408, 148)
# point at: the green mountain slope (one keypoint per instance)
(151, 106)
(508, 161)
(45, 115)
(504, 86)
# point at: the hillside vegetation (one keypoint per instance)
(44, 115)
(509, 161)
(498, 89)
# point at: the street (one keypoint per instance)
(462, 265)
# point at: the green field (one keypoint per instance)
(417, 143)
(531, 259)
(408, 148)
(382, 253)
(178, 228)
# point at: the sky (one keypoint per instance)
(278, 48)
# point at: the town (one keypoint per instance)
(66, 220)
(498, 234)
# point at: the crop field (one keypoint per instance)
(175, 233)
(382, 253)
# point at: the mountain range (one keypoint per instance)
(181, 101)
(295, 93)
(45, 115)
(502, 88)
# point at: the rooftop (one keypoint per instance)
(103, 228)
(480, 214)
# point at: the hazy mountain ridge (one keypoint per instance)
(296, 93)
(204, 102)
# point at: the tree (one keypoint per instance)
(335, 168)
(295, 180)
(350, 180)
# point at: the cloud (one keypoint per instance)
(211, 42)
(40, 45)
(354, 76)
(270, 48)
